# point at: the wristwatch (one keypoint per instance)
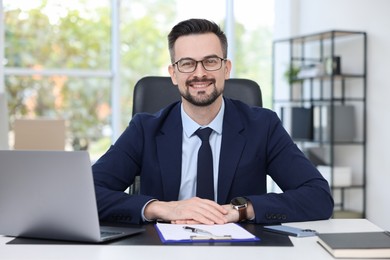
(240, 204)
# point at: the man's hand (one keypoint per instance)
(191, 211)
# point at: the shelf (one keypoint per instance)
(318, 100)
(347, 214)
(348, 187)
(319, 110)
(321, 36)
(330, 143)
(328, 77)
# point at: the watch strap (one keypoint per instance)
(242, 214)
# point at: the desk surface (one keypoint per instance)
(304, 248)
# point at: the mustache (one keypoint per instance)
(197, 80)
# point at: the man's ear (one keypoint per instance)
(228, 68)
(172, 72)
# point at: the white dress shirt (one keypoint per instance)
(190, 147)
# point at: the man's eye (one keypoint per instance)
(187, 63)
(210, 61)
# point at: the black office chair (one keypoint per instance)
(154, 93)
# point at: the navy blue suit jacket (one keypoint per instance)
(254, 144)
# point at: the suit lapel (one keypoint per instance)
(169, 150)
(232, 146)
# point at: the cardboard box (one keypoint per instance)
(342, 176)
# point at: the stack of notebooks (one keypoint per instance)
(356, 245)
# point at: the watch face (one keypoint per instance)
(239, 201)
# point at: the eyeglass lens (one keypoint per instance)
(189, 65)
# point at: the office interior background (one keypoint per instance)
(79, 60)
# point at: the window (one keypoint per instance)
(57, 64)
(59, 57)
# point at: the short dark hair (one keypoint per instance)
(195, 26)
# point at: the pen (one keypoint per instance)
(198, 230)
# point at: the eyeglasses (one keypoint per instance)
(188, 65)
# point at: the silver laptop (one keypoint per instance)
(51, 195)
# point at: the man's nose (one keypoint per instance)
(199, 70)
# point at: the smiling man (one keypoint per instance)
(187, 178)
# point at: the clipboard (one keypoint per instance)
(231, 232)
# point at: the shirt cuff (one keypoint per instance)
(143, 211)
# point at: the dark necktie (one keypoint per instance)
(205, 177)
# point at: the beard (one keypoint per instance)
(201, 98)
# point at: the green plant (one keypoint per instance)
(291, 74)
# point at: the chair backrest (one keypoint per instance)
(39, 134)
(154, 93)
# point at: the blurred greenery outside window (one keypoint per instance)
(72, 41)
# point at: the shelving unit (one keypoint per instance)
(319, 92)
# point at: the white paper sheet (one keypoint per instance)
(175, 232)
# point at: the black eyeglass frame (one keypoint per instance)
(197, 61)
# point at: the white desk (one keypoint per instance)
(304, 248)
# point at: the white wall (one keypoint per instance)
(311, 16)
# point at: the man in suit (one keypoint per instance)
(247, 143)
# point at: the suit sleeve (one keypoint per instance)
(114, 172)
(306, 194)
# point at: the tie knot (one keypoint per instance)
(204, 133)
